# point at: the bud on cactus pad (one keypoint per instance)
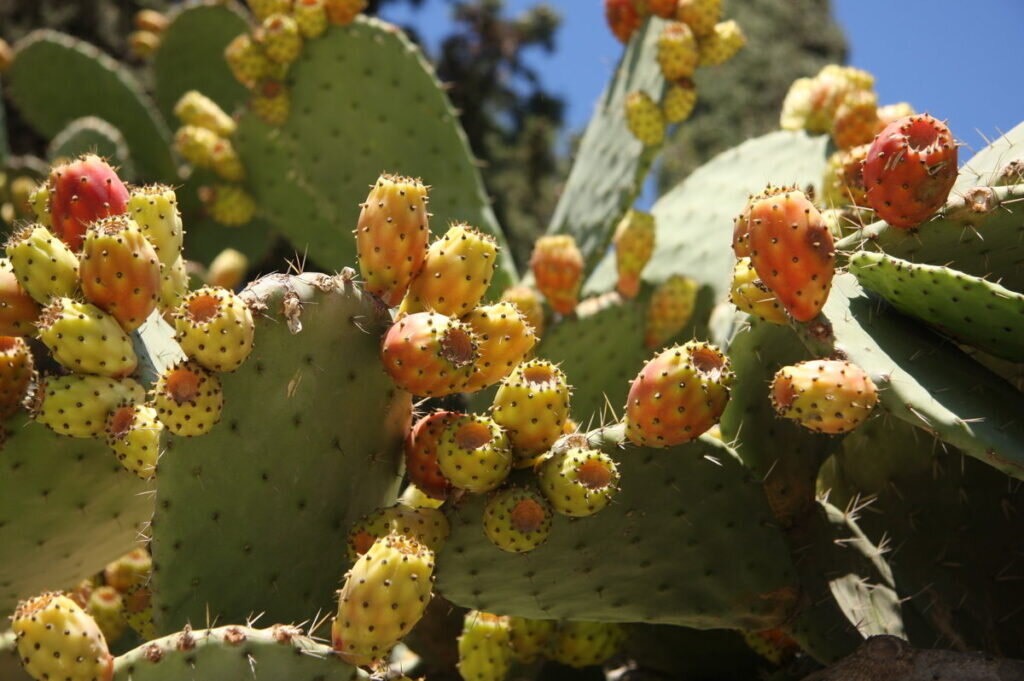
(155, 210)
(421, 454)
(120, 271)
(532, 405)
(579, 482)
(474, 453)
(188, 399)
(430, 355)
(529, 304)
(45, 267)
(827, 396)
(485, 650)
(750, 295)
(56, 639)
(311, 16)
(16, 374)
(215, 328)
(246, 60)
(282, 42)
(670, 310)
(910, 169)
(700, 15)
(456, 273)
(85, 339)
(392, 235)
(505, 338)
(195, 108)
(82, 192)
(530, 638)
(678, 395)
(384, 596)
(585, 644)
(557, 265)
(517, 519)
(106, 606)
(722, 43)
(634, 245)
(133, 434)
(622, 18)
(644, 119)
(792, 250)
(680, 98)
(677, 51)
(78, 405)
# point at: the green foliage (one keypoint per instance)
(93, 135)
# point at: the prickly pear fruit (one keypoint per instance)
(505, 338)
(86, 340)
(517, 519)
(893, 112)
(797, 106)
(18, 310)
(106, 606)
(679, 394)
(246, 60)
(528, 302)
(792, 250)
(19, 192)
(416, 498)
(699, 15)
(584, 644)
(773, 645)
(261, 9)
(677, 51)
(680, 98)
(426, 525)
(634, 245)
(530, 638)
(228, 204)
(311, 16)
(456, 273)
(344, 12)
(644, 119)
(749, 294)
(430, 355)
(856, 119)
(131, 569)
(485, 648)
(138, 611)
(384, 596)
(228, 269)
(45, 267)
(133, 434)
(188, 399)
(215, 328)
(557, 265)
(844, 178)
(392, 235)
(16, 373)
(195, 108)
(56, 639)
(421, 454)
(722, 44)
(143, 44)
(196, 145)
(39, 199)
(78, 405)
(120, 271)
(155, 210)
(272, 103)
(226, 162)
(670, 309)
(910, 169)
(150, 20)
(173, 287)
(622, 18)
(82, 192)
(282, 42)
(827, 396)
(578, 481)
(666, 9)
(474, 453)
(532, 405)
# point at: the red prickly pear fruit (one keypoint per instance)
(57, 639)
(392, 235)
(666, 9)
(18, 310)
(82, 192)
(910, 169)
(16, 373)
(120, 271)
(557, 265)
(678, 395)
(421, 454)
(622, 17)
(826, 396)
(429, 355)
(792, 250)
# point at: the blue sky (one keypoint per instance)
(952, 58)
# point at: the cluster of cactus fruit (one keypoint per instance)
(690, 490)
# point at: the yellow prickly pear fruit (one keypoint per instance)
(311, 16)
(644, 118)
(228, 269)
(428, 526)
(414, 497)
(722, 44)
(215, 328)
(670, 309)
(455, 275)
(40, 201)
(384, 596)
(532, 405)
(699, 15)
(143, 44)
(473, 453)
(150, 20)
(85, 339)
(579, 482)
(133, 434)
(749, 294)
(188, 399)
(557, 265)
(272, 103)
(131, 569)
(585, 644)
(247, 60)
(677, 51)
(228, 204)
(106, 606)
(529, 304)
(680, 98)
(195, 108)
(261, 9)
(138, 611)
(196, 145)
(826, 396)
(45, 267)
(856, 119)
(505, 339)
(56, 639)
(155, 210)
(173, 286)
(796, 107)
(78, 405)
(485, 647)
(530, 638)
(634, 245)
(282, 42)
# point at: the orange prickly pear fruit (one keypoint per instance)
(528, 302)
(670, 309)
(557, 265)
(120, 271)
(827, 396)
(634, 245)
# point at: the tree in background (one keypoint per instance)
(742, 98)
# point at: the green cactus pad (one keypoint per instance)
(922, 379)
(55, 79)
(611, 163)
(970, 309)
(691, 533)
(191, 56)
(93, 135)
(253, 516)
(363, 100)
(986, 168)
(233, 653)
